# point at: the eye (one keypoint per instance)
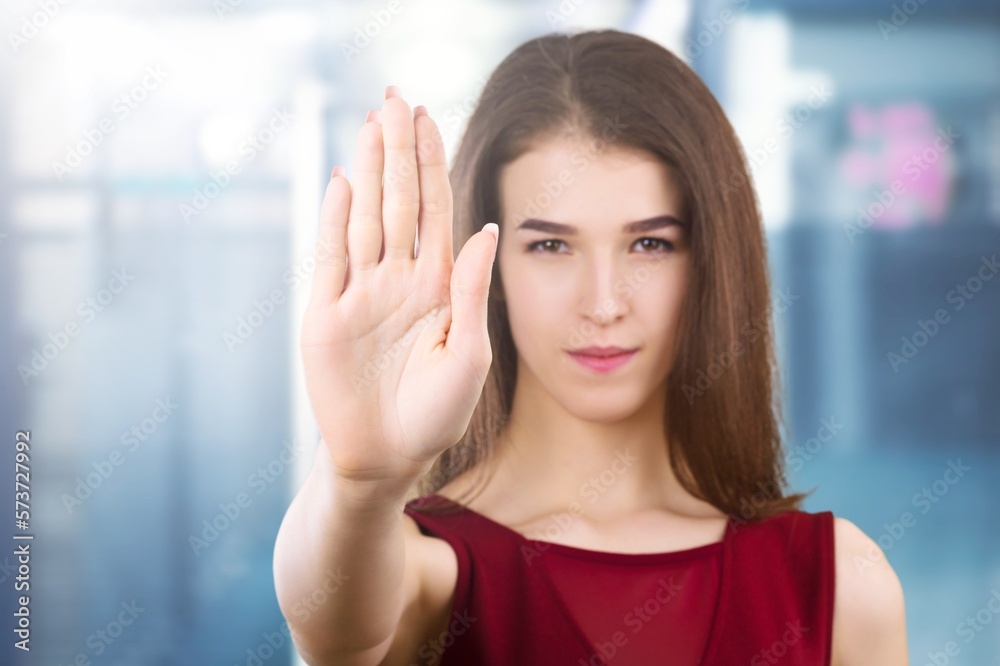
(546, 246)
(663, 244)
(532, 246)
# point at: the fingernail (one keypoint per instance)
(420, 110)
(494, 229)
(370, 116)
(377, 116)
(392, 91)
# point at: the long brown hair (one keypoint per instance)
(723, 409)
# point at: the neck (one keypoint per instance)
(551, 457)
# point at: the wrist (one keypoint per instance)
(366, 491)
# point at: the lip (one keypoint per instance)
(602, 351)
(605, 359)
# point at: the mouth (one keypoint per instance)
(602, 359)
(603, 352)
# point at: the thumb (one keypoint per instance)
(470, 287)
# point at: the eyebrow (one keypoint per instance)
(641, 226)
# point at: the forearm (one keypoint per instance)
(339, 560)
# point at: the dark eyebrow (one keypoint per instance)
(642, 226)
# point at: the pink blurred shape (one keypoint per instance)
(899, 142)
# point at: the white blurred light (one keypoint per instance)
(220, 137)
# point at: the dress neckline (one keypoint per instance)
(609, 557)
(726, 549)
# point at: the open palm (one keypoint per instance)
(395, 346)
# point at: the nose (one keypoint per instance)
(600, 301)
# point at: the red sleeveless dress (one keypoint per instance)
(762, 595)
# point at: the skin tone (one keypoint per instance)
(594, 280)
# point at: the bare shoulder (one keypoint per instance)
(430, 579)
(869, 617)
(438, 560)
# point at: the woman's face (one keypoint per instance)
(581, 268)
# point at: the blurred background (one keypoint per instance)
(162, 168)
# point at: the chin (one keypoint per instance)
(602, 404)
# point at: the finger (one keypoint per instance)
(470, 287)
(400, 190)
(436, 202)
(364, 224)
(330, 276)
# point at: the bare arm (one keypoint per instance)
(340, 566)
(395, 352)
(869, 609)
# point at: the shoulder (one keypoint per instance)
(869, 617)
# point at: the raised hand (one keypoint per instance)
(395, 346)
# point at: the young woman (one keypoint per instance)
(561, 447)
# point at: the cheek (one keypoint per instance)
(657, 303)
(538, 306)
(531, 285)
